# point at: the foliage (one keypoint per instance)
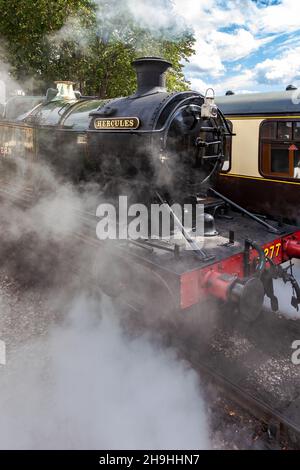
(94, 45)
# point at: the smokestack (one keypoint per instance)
(151, 75)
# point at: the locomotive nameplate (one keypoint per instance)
(113, 124)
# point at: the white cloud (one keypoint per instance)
(208, 15)
(229, 31)
(214, 47)
(280, 18)
(284, 69)
(206, 60)
(278, 72)
(220, 47)
(241, 83)
(236, 45)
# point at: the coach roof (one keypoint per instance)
(286, 102)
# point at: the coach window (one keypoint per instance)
(297, 130)
(285, 130)
(280, 149)
(269, 131)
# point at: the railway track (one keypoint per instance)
(282, 428)
(279, 424)
(279, 427)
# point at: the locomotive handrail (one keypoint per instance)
(244, 211)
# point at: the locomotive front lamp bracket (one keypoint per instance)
(209, 109)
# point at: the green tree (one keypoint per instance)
(90, 43)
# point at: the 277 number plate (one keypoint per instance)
(273, 251)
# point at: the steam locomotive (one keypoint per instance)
(155, 146)
(147, 139)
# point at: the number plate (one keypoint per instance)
(274, 251)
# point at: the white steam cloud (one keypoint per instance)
(74, 379)
(117, 21)
(7, 83)
(88, 386)
(157, 16)
(9, 86)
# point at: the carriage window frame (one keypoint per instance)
(280, 143)
(230, 139)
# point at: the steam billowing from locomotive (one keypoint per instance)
(88, 386)
(159, 18)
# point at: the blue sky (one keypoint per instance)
(243, 45)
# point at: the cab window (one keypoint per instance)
(280, 149)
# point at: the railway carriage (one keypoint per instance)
(263, 172)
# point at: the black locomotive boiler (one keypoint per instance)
(155, 146)
(151, 139)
